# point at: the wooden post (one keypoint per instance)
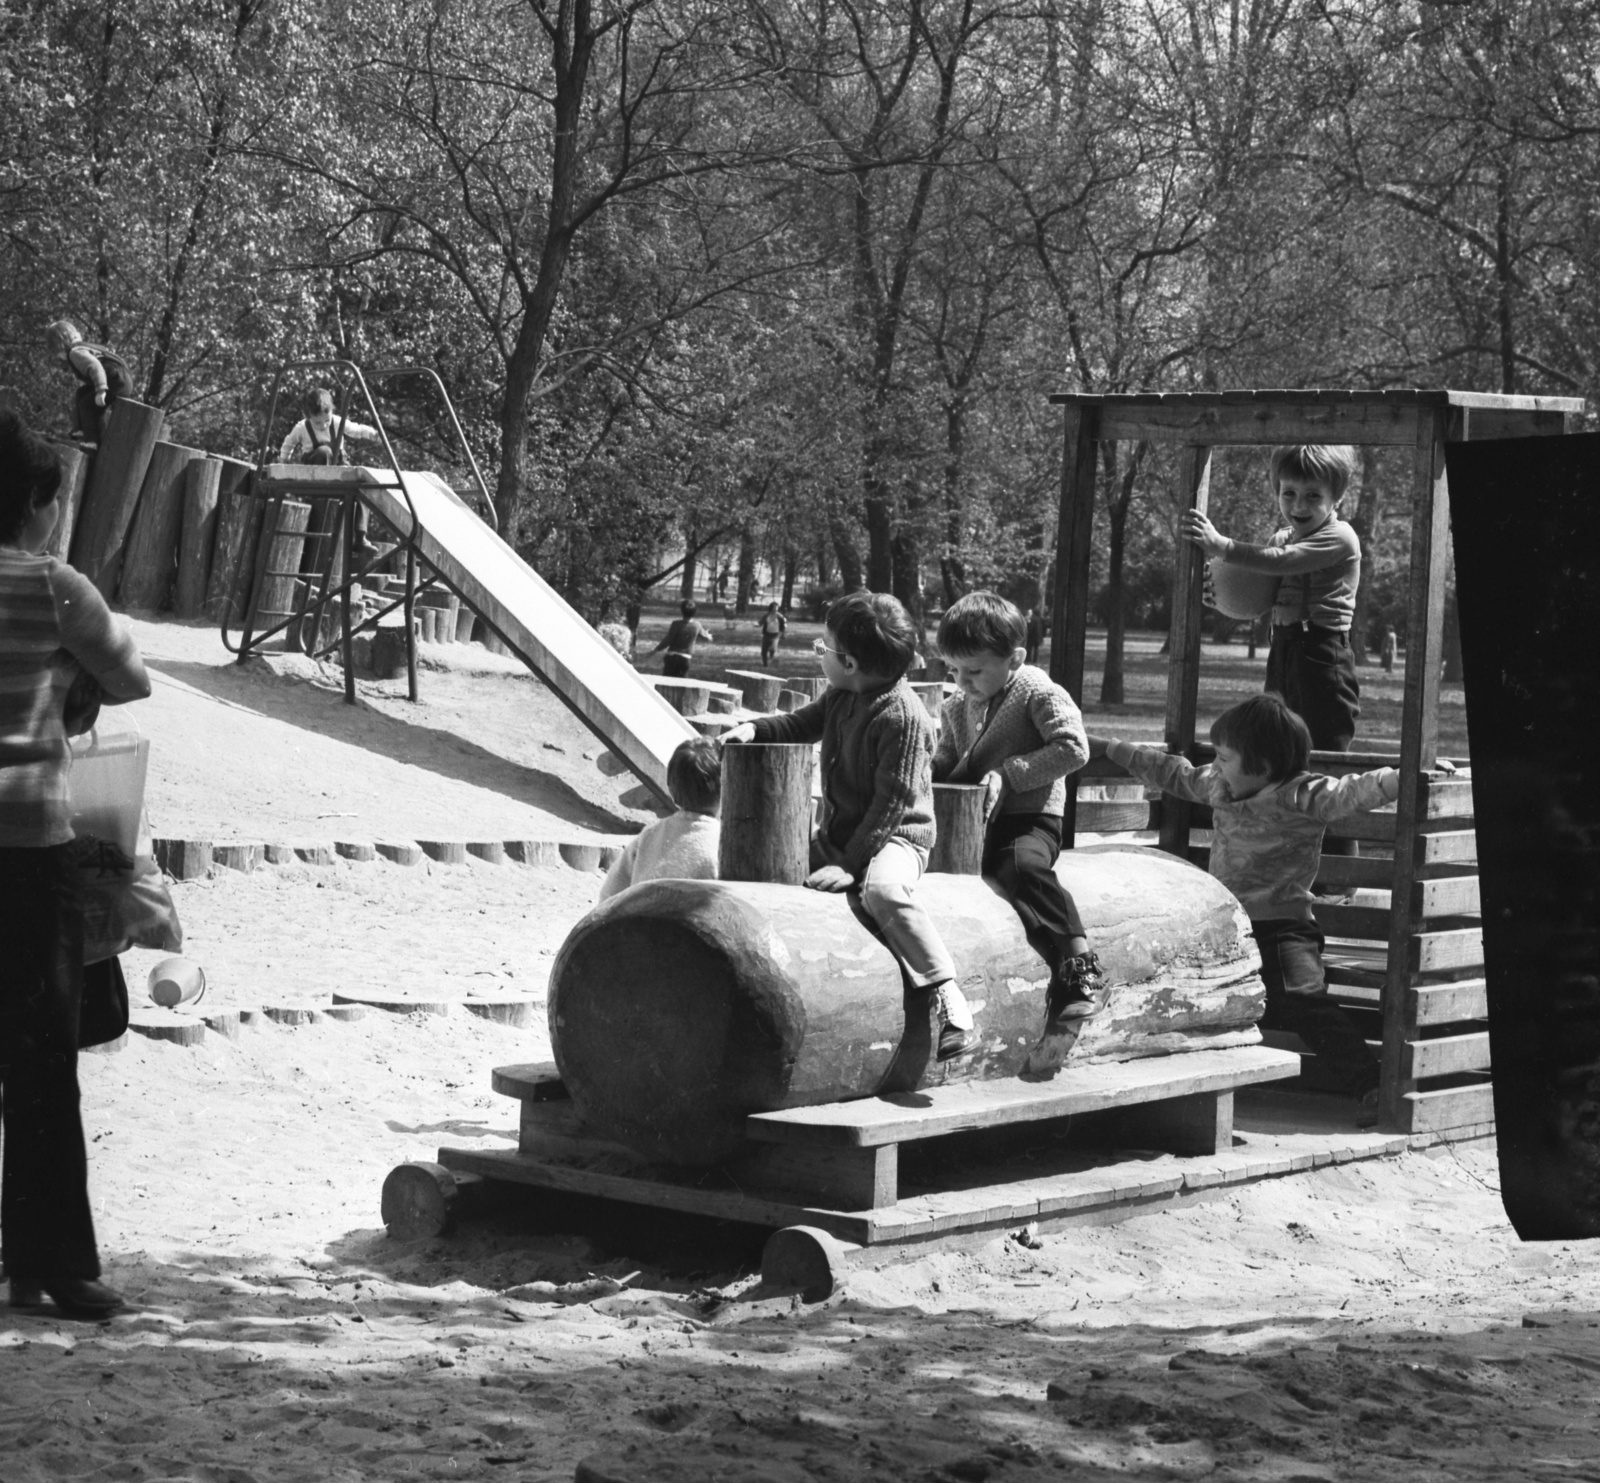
(760, 691)
(1183, 664)
(113, 491)
(1419, 748)
(958, 813)
(201, 480)
(1069, 617)
(150, 554)
(75, 463)
(238, 523)
(766, 813)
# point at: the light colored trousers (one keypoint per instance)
(888, 892)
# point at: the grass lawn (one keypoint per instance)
(1226, 676)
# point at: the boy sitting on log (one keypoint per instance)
(1018, 733)
(684, 845)
(877, 791)
(1268, 814)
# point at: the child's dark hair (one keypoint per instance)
(694, 775)
(317, 399)
(1271, 740)
(876, 631)
(981, 623)
(1332, 464)
(687, 608)
(30, 474)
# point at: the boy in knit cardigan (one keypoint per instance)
(877, 791)
(1013, 729)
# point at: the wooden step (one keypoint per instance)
(1092, 1087)
(1449, 1055)
(533, 1081)
(1455, 1107)
(1450, 1004)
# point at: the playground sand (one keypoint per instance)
(1365, 1321)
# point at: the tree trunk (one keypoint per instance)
(907, 580)
(747, 570)
(1365, 522)
(1112, 688)
(791, 570)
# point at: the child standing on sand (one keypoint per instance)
(1015, 730)
(1268, 814)
(1317, 556)
(684, 845)
(877, 791)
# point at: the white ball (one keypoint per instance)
(1238, 592)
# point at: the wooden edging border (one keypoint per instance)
(192, 859)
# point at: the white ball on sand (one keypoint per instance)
(1239, 593)
(175, 981)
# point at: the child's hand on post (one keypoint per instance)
(993, 783)
(830, 878)
(744, 732)
(1099, 745)
(1199, 531)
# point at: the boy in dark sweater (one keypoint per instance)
(1016, 731)
(877, 791)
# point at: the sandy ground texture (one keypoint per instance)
(1376, 1320)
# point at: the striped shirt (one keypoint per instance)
(52, 621)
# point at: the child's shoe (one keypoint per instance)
(1077, 991)
(957, 1034)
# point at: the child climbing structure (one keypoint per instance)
(301, 505)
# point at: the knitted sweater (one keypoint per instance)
(1265, 848)
(681, 847)
(1030, 733)
(52, 620)
(877, 759)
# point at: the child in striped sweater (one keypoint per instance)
(1016, 731)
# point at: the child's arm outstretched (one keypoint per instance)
(1175, 775)
(1329, 798)
(1332, 543)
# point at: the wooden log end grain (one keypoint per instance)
(422, 1200)
(183, 859)
(804, 1259)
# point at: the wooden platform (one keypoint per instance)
(836, 1168)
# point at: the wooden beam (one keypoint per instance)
(1419, 747)
(1183, 662)
(1264, 423)
(1069, 617)
(1455, 1107)
(1450, 1004)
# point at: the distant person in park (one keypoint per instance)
(684, 845)
(1389, 649)
(683, 633)
(315, 439)
(102, 377)
(1033, 637)
(1016, 732)
(1268, 814)
(54, 628)
(1317, 557)
(773, 625)
(877, 792)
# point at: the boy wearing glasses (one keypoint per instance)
(877, 791)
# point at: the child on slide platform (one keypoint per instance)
(1268, 814)
(1317, 556)
(684, 845)
(1013, 729)
(877, 791)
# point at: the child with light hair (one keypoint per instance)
(102, 375)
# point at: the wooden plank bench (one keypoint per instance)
(837, 1165)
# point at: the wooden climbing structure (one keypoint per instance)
(1416, 961)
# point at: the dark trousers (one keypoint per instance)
(675, 666)
(769, 646)
(89, 419)
(1315, 673)
(46, 1230)
(1298, 1001)
(1019, 853)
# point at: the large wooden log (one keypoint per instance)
(766, 813)
(958, 814)
(280, 584)
(75, 463)
(201, 481)
(238, 525)
(760, 691)
(113, 491)
(680, 1007)
(150, 554)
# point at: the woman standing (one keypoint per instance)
(53, 624)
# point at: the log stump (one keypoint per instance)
(150, 555)
(280, 580)
(233, 560)
(760, 691)
(201, 482)
(75, 464)
(958, 813)
(679, 1008)
(766, 813)
(109, 498)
